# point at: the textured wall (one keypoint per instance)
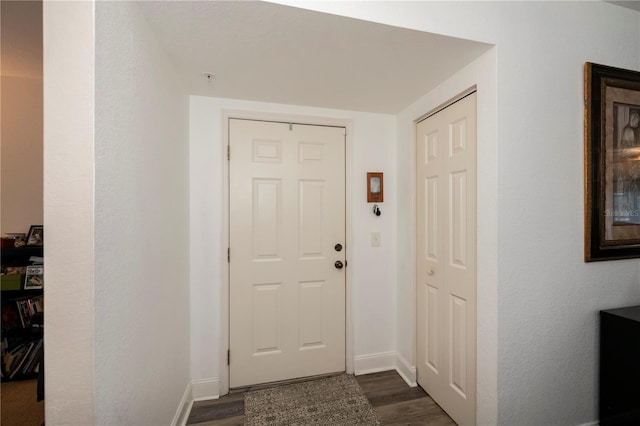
(141, 224)
(69, 212)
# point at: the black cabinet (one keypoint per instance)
(620, 366)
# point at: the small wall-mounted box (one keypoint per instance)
(375, 187)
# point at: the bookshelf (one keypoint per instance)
(22, 313)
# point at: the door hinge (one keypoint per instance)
(228, 255)
(228, 357)
(290, 127)
(228, 152)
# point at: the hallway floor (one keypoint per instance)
(394, 401)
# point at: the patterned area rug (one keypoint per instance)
(334, 401)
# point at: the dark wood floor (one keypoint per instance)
(394, 401)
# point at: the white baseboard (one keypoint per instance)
(182, 413)
(406, 371)
(204, 389)
(594, 423)
(374, 363)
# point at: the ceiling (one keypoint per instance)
(273, 53)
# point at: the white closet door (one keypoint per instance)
(446, 258)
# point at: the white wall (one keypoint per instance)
(69, 212)
(142, 344)
(371, 271)
(547, 298)
(21, 106)
(116, 207)
(21, 151)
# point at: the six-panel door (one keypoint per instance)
(287, 213)
(446, 258)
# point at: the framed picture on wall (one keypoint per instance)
(612, 163)
(35, 237)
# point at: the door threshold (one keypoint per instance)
(283, 382)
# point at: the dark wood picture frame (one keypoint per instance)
(35, 237)
(612, 163)
(375, 187)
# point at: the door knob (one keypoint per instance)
(338, 247)
(338, 264)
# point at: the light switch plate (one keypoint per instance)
(375, 239)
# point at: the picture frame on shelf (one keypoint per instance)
(35, 237)
(612, 163)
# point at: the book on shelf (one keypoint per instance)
(33, 358)
(22, 359)
(13, 359)
(17, 364)
(18, 313)
(28, 307)
(9, 356)
(34, 278)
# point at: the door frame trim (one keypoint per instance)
(224, 271)
(457, 98)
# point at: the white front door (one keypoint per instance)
(446, 258)
(287, 218)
